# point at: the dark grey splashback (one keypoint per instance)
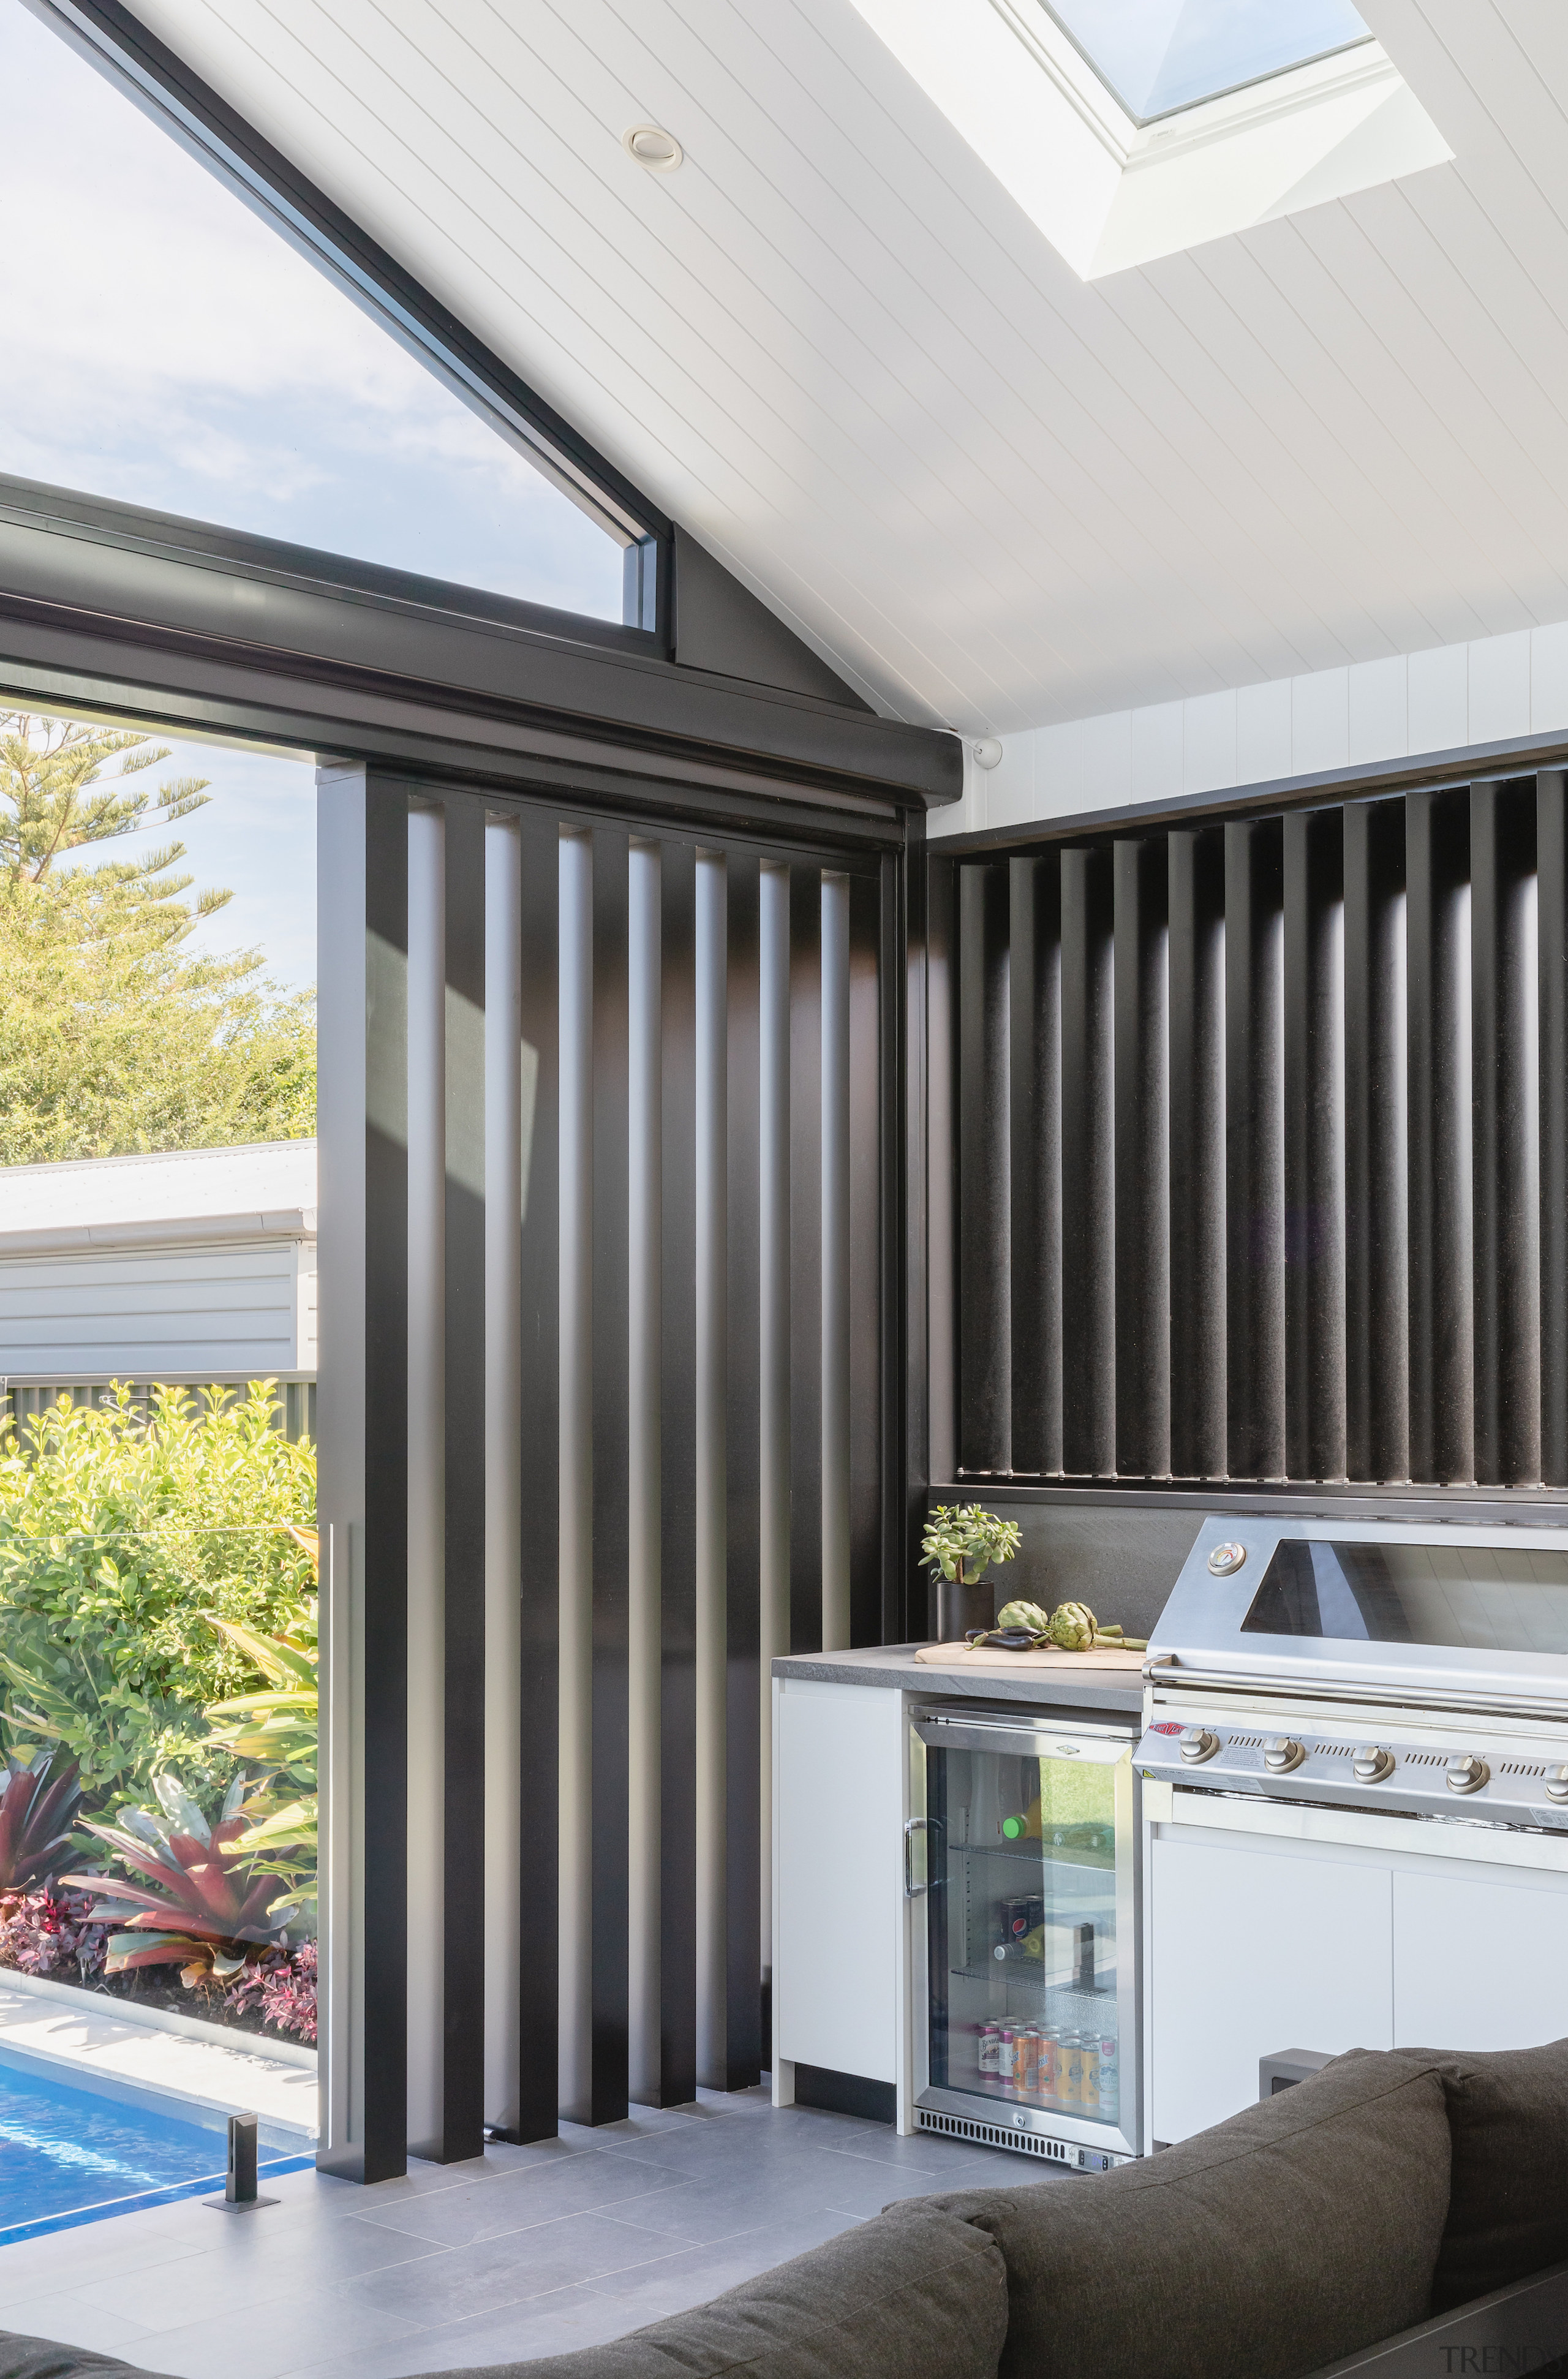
(1122, 1561)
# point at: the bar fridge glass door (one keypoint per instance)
(1029, 1984)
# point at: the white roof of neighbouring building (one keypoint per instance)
(121, 1201)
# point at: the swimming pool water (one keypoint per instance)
(70, 2156)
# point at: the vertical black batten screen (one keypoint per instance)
(1089, 1280)
(1142, 1199)
(743, 1459)
(1552, 881)
(609, 1779)
(983, 1236)
(678, 1476)
(1376, 1258)
(383, 1977)
(870, 1147)
(1196, 1006)
(1034, 1044)
(1314, 1143)
(463, 2000)
(1503, 1134)
(1254, 1150)
(1436, 863)
(805, 1259)
(539, 1452)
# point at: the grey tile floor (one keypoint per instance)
(523, 2253)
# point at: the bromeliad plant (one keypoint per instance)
(205, 1906)
(36, 1817)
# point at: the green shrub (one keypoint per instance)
(123, 1535)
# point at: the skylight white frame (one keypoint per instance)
(1226, 91)
(1109, 192)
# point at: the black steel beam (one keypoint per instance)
(869, 1154)
(744, 1684)
(805, 1257)
(1552, 877)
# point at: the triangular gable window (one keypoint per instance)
(164, 347)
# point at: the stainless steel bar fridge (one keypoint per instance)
(1021, 1859)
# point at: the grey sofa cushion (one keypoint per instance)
(1299, 2231)
(1508, 2204)
(913, 2294)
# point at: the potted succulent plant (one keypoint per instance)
(961, 1541)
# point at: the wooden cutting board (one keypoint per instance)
(969, 1656)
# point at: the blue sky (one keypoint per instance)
(163, 346)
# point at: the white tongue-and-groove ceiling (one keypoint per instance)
(990, 494)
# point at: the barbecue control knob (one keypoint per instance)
(1557, 1783)
(1281, 1753)
(1468, 1774)
(1372, 1763)
(1197, 1743)
(1227, 1559)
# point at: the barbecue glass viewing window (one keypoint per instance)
(1469, 1597)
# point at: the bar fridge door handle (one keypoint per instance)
(913, 1825)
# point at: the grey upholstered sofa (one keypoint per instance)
(1398, 2216)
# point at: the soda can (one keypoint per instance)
(1007, 2057)
(1108, 2068)
(1050, 2052)
(1088, 2083)
(989, 2043)
(1069, 2088)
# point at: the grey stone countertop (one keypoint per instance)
(894, 1665)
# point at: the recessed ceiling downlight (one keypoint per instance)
(653, 147)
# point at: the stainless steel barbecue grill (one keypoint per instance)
(1356, 1793)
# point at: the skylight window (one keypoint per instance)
(1159, 55)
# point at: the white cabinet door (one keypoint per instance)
(838, 1822)
(1252, 1951)
(1479, 1965)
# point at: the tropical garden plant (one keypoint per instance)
(203, 1905)
(35, 1819)
(279, 1729)
(129, 1536)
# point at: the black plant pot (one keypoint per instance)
(959, 1608)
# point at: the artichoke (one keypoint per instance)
(1025, 1614)
(1071, 1627)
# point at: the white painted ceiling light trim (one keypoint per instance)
(1109, 193)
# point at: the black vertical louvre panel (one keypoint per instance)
(385, 1850)
(1314, 1145)
(1377, 1431)
(1437, 860)
(609, 1987)
(1034, 1052)
(1196, 899)
(867, 1240)
(984, 1250)
(743, 1469)
(1279, 1185)
(1141, 1139)
(538, 1463)
(678, 1500)
(1551, 878)
(1504, 1107)
(1254, 1150)
(805, 1259)
(1087, 1191)
(463, 2076)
